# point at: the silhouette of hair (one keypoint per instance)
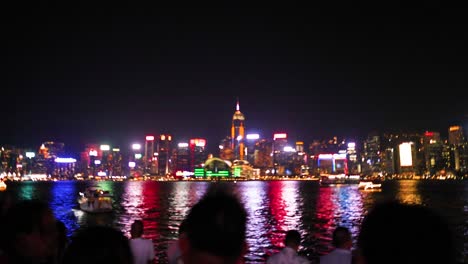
(393, 232)
(341, 236)
(216, 224)
(136, 229)
(23, 217)
(183, 227)
(293, 237)
(97, 245)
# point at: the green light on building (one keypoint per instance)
(237, 172)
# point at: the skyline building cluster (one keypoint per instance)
(406, 154)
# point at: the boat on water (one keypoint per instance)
(95, 200)
(329, 179)
(370, 184)
(3, 185)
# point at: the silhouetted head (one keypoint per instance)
(292, 239)
(136, 230)
(393, 232)
(97, 245)
(342, 238)
(215, 229)
(183, 227)
(29, 233)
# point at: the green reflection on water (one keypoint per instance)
(27, 190)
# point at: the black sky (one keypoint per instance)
(112, 74)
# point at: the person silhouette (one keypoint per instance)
(216, 229)
(142, 248)
(289, 254)
(98, 244)
(341, 254)
(29, 233)
(394, 232)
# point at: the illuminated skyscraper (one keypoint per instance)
(455, 135)
(238, 133)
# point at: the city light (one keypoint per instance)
(116, 149)
(289, 149)
(252, 136)
(183, 145)
(97, 162)
(93, 153)
(105, 147)
(406, 159)
(65, 160)
(199, 142)
(136, 146)
(279, 135)
(30, 155)
(149, 138)
(131, 164)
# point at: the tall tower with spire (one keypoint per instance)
(238, 133)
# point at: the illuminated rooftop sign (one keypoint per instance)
(280, 135)
(65, 160)
(199, 142)
(429, 134)
(182, 145)
(252, 136)
(136, 146)
(332, 156)
(105, 147)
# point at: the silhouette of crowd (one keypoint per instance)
(214, 231)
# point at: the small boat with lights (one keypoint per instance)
(370, 184)
(95, 200)
(3, 185)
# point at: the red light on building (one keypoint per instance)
(429, 134)
(199, 142)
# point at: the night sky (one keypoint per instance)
(107, 74)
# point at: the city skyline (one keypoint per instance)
(80, 75)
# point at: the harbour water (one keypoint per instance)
(273, 207)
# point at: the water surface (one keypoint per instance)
(273, 207)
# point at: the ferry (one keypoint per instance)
(3, 185)
(95, 200)
(370, 184)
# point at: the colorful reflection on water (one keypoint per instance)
(273, 207)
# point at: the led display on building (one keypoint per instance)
(406, 158)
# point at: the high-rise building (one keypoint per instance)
(164, 154)
(433, 148)
(182, 164)
(455, 135)
(198, 154)
(238, 133)
(371, 156)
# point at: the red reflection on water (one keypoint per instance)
(339, 205)
(326, 206)
(282, 197)
(277, 211)
(142, 202)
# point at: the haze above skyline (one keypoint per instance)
(80, 75)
